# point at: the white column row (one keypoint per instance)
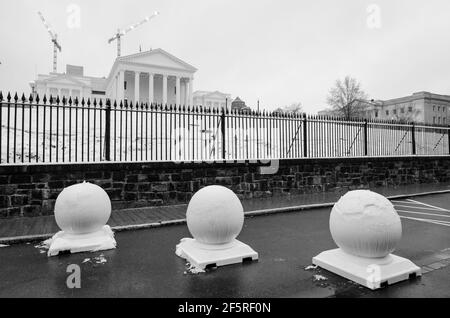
(120, 89)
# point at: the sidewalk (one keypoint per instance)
(38, 228)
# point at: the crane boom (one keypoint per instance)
(121, 33)
(54, 38)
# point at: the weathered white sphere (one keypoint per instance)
(82, 208)
(365, 224)
(215, 215)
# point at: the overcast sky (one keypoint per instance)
(279, 52)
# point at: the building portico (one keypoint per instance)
(151, 77)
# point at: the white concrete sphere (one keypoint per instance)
(82, 208)
(215, 215)
(364, 223)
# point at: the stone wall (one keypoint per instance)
(31, 190)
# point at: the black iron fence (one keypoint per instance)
(56, 130)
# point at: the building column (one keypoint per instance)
(185, 92)
(151, 95)
(121, 89)
(164, 89)
(191, 89)
(178, 92)
(137, 77)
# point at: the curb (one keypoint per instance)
(290, 209)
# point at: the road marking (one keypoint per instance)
(431, 214)
(416, 207)
(443, 223)
(429, 205)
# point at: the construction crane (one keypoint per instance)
(121, 33)
(54, 37)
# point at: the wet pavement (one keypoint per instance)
(23, 228)
(145, 264)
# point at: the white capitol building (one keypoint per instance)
(154, 76)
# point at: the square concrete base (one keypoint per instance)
(373, 273)
(203, 255)
(92, 242)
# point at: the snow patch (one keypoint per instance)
(311, 267)
(4, 245)
(319, 278)
(192, 269)
(100, 259)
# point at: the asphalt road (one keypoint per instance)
(145, 264)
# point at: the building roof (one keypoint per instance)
(211, 94)
(414, 97)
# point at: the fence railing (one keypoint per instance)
(57, 130)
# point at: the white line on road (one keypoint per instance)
(427, 221)
(416, 207)
(423, 213)
(429, 205)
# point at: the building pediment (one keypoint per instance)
(216, 95)
(159, 58)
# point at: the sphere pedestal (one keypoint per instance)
(366, 228)
(215, 217)
(203, 256)
(373, 273)
(76, 243)
(82, 211)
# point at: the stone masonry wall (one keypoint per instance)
(31, 190)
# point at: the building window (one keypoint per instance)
(434, 108)
(444, 120)
(439, 120)
(434, 120)
(395, 112)
(376, 114)
(125, 85)
(439, 108)
(410, 109)
(402, 110)
(387, 113)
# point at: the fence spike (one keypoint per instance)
(30, 99)
(23, 98)
(57, 100)
(64, 100)
(70, 101)
(37, 99)
(45, 98)
(16, 98)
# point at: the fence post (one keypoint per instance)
(305, 136)
(222, 126)
(366, 138)
(448, 132)
(108, 131)
(413, 138)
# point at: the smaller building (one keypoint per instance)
(421, 107)
(212, 100)
(239, 104)
(71, 83)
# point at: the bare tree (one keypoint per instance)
(347, 99)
